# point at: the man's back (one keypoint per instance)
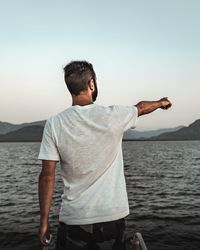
(87, 141)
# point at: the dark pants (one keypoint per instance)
(98, 236)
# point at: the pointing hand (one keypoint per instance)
(165, 103)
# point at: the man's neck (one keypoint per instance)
(82, 100)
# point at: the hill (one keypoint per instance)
(25, 134)
(192, 132)
(32, 132)
(133, 134)
(6, 127)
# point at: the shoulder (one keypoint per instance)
(124, 108)
(55, 118)
(117, 108)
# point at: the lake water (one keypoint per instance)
(163, 183)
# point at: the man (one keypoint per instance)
(86, 138)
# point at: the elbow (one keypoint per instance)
(140, 108)
(46, 176)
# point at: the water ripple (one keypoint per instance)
(163, 184)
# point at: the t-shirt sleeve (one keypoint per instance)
(48, 148)
(128, 116)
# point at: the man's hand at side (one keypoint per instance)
(46, 187)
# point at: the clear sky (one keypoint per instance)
(141, 50)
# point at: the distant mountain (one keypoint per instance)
(192, 132)
(28, 132)
(6, 127)
(25, 134)
(132, 134)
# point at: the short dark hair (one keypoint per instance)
(77, 75)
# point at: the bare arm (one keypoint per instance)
(146, 107)
(46, 188)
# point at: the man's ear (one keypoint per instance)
(91, 85)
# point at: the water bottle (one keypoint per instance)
(135, 244)
(138, 242)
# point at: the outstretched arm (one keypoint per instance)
(46, 187)
(146, 107)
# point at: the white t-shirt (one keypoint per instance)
(87, 142)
